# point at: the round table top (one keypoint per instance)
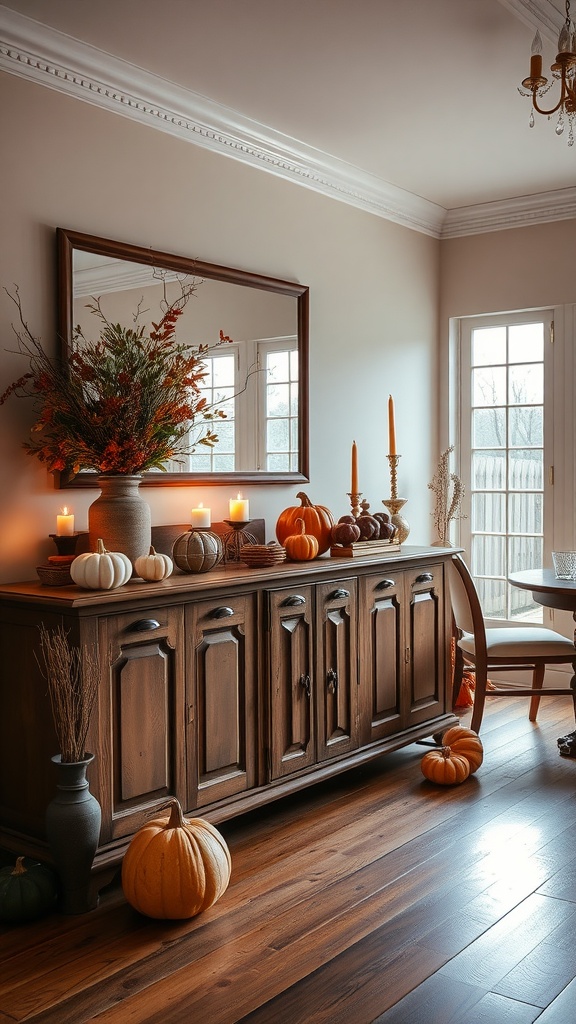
(546, 588)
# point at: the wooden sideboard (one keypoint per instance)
(226, 689)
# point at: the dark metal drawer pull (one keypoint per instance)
(339, 593)
(293, 600)
(332, 680)
(223, 612)
(144, 626)
(385, 584)
(424, 577)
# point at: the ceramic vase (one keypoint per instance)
(120, 517)
(73, 821)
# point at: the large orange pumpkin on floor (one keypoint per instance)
(444, 767)
(175, 867)
(318, 522)
(467, 743)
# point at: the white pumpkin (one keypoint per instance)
(153, 566)
(101, 569)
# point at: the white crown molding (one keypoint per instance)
(511, 213)
(43, 55)
(538, 14)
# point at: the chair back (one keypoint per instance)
(465, 601)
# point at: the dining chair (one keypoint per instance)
(501, 648)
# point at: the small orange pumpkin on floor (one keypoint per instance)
(466, 742)
(445, 767)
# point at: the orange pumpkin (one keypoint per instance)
(467, 743)
(301, 546)
(175, 867)
(318, 522)
(445, 767)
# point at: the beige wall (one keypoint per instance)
(373, 301)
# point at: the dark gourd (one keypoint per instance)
(345, 533)
(27, 890)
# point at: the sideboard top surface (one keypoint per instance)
(182, 585)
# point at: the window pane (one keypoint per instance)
(526, 384)
(489, 386)
(489, 555)
(278, 366)
(277, 463)
(278, 399)
(525, 514)
(526, 426)
(488, 346)
(525, 553)
(526, 469)
(489, 471)
(526, 342)
(489, 428)
(489, 512)
(492, 594)
(277, 436)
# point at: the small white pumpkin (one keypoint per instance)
(154, 566)
(101, 569)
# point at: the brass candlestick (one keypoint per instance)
(355, 503)
(394, 503)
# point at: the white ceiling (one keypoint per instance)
(418, 95)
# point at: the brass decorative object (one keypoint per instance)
(355, 505)
(394, 504)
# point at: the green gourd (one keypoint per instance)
(27, 890)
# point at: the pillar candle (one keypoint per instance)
(65, 524)
(354, 484)
(201, 517)
(239, 509)
(391, 427)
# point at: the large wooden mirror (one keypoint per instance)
(264, 438)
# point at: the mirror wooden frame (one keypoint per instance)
(68, 241)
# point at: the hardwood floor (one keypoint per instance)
(374, 897)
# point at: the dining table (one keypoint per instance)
(551, 592)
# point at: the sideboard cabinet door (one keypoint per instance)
(221, 698)
(141, 744)
(336, 668)
(291, 682)
(403, 649)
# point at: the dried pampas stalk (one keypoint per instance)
(73, 674)
(446, 507)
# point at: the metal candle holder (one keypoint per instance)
(235, 538)
(394, 504)
(355, 503)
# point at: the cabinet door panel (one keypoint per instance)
(140, 717)
(382, 654)
(221, 699)
(336, 673)
(292, 744)
(425, 640)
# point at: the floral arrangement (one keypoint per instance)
(123, 404)
(73, 675)
(447, 506)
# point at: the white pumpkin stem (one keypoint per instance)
(152, 550)
(100, 549)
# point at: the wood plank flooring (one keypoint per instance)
(375, 897)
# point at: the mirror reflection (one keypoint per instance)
(258, 379)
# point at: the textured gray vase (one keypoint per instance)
(73, 821)
(120, 517)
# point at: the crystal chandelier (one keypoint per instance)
(563, 70)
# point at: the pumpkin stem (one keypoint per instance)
(152, 550)
(306, 503)
(446, 752)
(176, 819)
(19, 868)
(100, 549)
(301, 526)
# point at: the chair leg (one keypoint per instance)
(479, 696)
(458, 675)
(537, 683)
